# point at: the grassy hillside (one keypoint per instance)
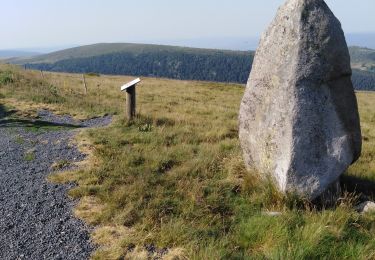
(174, 62)
(174, 177)
(149, 60)
(100, 49)
(359, 55)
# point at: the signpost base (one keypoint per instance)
(130, 102)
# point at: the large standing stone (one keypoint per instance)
(299, 120)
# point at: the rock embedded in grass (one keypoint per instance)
(299, 119)
(366, 207)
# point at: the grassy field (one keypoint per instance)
(175, 177)
(100, 49)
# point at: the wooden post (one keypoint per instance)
(41, 73)
(130, 98)
(98, 86)
(84, 83)
(130, 102)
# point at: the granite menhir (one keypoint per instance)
(299, 121)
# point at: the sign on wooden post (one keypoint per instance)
(130, 97)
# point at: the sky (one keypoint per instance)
(58, 23)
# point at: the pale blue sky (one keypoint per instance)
(47, 23)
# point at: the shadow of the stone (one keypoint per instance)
(6, 121)
(4, 112)
(33, 124)
(359, 189)
(358, 185)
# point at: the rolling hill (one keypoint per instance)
(100, 49)
(148, 60)
(175, 62)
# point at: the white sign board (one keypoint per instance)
(130, 84)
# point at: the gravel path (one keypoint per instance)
(36, 220)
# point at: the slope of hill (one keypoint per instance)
(101, 49)
(173, 180)
(149, 60)
(174, 62)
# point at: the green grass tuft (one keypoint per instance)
(29, 156)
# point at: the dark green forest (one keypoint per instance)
(363, 80)
(214, 66)
(220, 66)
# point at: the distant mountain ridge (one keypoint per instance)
(99, 49)
(361, 39)
(6, 54)
(175, 62)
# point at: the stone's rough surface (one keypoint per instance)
(299, 119)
